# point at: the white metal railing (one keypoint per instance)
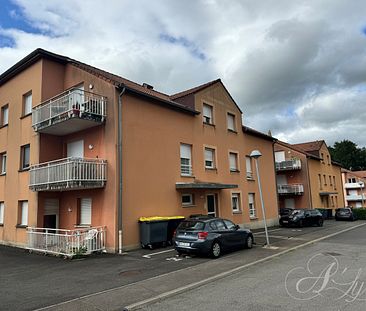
(290, 189)
(72, 103)
(83, 241)
(185, 167)
(354, 185)
(355, 197)
(68, 173)
(292, 164)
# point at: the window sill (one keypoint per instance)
(232, 131)
(237, 212)
(234, 171)
(5, 125)
(211, 169)
(253, 218)
(25, 116)
(24, 169)
(82, 226)
(209, 124)
(21, 226)
(3, 174)
(189, 205)
(189, 176)
(250, 179)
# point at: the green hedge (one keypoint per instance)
(360, 213)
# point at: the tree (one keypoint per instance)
(349, 155)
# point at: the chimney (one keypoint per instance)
(147, 86)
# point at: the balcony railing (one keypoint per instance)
(68, 174)
(292, 164)
(80, 108)
(292, 189)
(354, 185)
(355, 197)
(67, 242)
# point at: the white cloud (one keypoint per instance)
(294, 67)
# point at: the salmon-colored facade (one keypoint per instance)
(122, 151)
(354, 188)
(314, 180)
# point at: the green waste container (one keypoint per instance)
(156, 231)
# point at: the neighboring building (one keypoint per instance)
(307, 177)
(354, 188)
(81, 148)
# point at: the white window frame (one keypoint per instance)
(22, 157)
(210, 157)
(233, 159)
(235, 202)
(2, 207)
(4, 115)
(27, 104)
(3, 158)
(23, 219)
(86, 219)
(207, 114)
(185, 159)
(248, 164)
(231, 126)
(191, 199)
(251, 206)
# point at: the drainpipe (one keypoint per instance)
(119, 159)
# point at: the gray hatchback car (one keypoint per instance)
(210, 236)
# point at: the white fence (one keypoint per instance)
(73, 103)
(83, 241)
(68, 173)
(293, 164)
(290, 189)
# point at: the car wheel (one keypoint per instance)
(281, 223)
(320, 223)
(215, 250)
(301, 223)
(248, 242)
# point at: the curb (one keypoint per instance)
(182, 289)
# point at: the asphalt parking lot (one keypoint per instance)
(32, 281)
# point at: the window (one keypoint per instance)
(220, 225)
(252, 212)
(320, 181)
(248, 161)
(210, 158)
(235, 202)
(328, 159)
(27, 104)
(23, 213)
(85, 211)
(207, 114)
(322, 156)
(4, 115)
(352, 180)
(334, 183)
(2, 213)
(24, 157)
(233, 159)
(231, 122)
(187, 199)
(185, 160)
(229, 224)
(3, 163)
(330, 180)
(325, 180)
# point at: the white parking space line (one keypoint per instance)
(153, 254)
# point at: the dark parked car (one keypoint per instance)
(302, 217)
(286, 211)
(345, 213)
(210, 236)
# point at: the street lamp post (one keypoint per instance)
(255, 154)
(361, 186)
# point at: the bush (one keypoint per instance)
(360, 213)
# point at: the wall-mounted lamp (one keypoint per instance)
(91, 86)
(91, 147)
(69, 209)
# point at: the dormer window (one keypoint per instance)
(207, 114)
(231, 122)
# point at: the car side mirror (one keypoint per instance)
(237, 227)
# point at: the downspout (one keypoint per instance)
(275, 176)
(119, 159)
(309, 183)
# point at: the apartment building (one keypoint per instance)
(307, 177)
(354, 188)
(81, 148)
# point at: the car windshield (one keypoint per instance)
(343, 210)
(192, 225)
(297, 212)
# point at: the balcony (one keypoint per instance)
(354, 185)
(292, 189)
(355, 197)
(288, 165)
(69, 112)
(68, 174)
(67, 242)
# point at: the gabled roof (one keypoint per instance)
(253, 132)
(296, 148)
(310, 146)
(107, 76)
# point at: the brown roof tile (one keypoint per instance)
(310, 146)
(194, 89)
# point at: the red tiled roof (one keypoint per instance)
(310, 146)
(298, 149)
(194, 89)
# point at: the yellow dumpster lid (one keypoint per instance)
(157, 218)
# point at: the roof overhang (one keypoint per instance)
(325, 193)
(204, 185)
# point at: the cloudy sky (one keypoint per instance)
(295, 67)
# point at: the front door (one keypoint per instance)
(49, 221)
(211, 205)
(50, 213)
